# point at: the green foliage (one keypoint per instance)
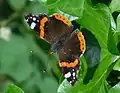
(25, 59)
(14, 89)
(17, 5)
(115, 6)
(115, 89)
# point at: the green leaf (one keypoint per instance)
(117, 65)
(17, 4)
(97, 20)
(92, 54)
(17, 54)
(115, 6)
(42, 81)
(84, 67)
(73, 7)
(118, 23)
(14, 89)
(113, 41)
(49, 85)
(118, 46)
(114, 37)
(36, 7)
(64, 87)
(98, 79)
(115, 89)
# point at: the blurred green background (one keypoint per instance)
(25, 59)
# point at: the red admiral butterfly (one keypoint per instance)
(57, 30)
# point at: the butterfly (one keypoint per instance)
(58, 31)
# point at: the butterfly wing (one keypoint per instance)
(49, 28)
(34, 21)
(57, 31)
(69, 56)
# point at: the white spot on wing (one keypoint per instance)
(73, 73)
(34, 19)
(37, 20)
(73, 77)
(67, 75)
(33, 25)
(70, 82)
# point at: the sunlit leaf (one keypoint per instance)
(115, 89)
(14, 89)
(117, 65)
(115, 6)
(118, 23)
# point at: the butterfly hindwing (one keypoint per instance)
(71, 72)
(69, 56)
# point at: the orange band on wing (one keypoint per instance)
(82, 42)
(42, 24)
(68, 65)
(63, 19)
